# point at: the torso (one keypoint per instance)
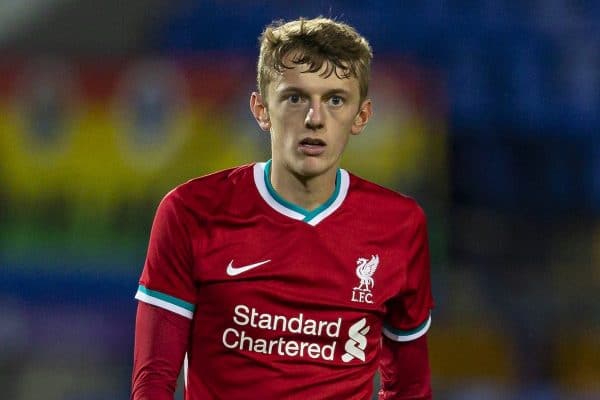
(305, 319)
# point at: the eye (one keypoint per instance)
(294, 98)
(336, 101)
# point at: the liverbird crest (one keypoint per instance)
(365, 268)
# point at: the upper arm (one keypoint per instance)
(167, 279)
(409, 312)
(166, 295)
(404, 363)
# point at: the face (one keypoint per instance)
(310, 119)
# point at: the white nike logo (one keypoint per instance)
(233, 271)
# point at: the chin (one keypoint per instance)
(313, 166)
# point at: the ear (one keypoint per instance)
(362, 117)
(259, 109)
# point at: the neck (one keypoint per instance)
(306, 192)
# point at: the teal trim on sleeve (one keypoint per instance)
(400, 332)
(165, 297)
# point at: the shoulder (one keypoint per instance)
(381, 200)
(209, 190)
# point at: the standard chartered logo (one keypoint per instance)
(293, 336)
(244, 316)
(357, 341)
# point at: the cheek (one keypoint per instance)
(285, 124)
(280, 133)
(342, 140)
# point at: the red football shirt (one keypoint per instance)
(287, 303)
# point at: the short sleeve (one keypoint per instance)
(409, 313)
(167, 279)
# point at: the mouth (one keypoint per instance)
(312, 146)
(312, 142)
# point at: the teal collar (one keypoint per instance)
(262, 173)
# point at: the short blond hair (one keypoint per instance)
(314, 42)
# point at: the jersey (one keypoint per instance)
(287, 303)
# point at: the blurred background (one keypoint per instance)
(487, 112)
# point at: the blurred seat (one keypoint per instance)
(472, 352)
(578, 360)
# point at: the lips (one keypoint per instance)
(312, 142)
(312, 146)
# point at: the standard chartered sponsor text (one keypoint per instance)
(244, 316)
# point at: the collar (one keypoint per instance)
(275, 201)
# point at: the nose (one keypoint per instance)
(314, 117)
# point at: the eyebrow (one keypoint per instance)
(331, 92)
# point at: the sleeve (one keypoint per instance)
(161, 340)
(404, 370)
(167, 279)
(404, 363)
(409, 313)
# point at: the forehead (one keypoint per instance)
(298, 77)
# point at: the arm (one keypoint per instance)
(404, 363)
(404, 369)
(161, 340)
(166, 305)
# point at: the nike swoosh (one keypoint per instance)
(233, 271)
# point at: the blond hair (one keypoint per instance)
(314, 42)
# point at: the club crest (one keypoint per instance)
(365, 268)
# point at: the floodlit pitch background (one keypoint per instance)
(487, 112)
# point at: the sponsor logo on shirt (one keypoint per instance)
(357, 341)
(365, 268)
(248, 322)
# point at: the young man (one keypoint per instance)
(290, 279)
